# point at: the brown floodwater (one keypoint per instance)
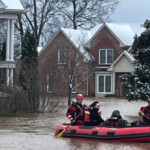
(36, 131)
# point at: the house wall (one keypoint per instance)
(104, 40)
(48, 64)
(123, 65)
(120, 90)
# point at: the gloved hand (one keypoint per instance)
(141, 113)
(86, 108)
(72, 121)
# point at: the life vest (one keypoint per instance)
(87, 116)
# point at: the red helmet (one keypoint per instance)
(79, 97)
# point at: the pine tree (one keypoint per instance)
(28, 78)
(138, 81)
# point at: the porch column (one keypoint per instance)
(8, 40)
(11, 74)
(7, 77)
(11, 54)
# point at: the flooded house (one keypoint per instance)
(88, 61)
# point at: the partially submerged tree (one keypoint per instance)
(138, 81)
(28, 78)
(86, 13)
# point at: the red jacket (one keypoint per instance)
(76, 111)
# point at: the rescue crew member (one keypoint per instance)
(75, 112)
(95, 114)
(145, 113)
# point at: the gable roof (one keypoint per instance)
(13, 6)
(123, 32)
(77, 38)
(128, 55)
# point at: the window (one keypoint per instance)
(50, 83)
(104, 83)
(61, 56)
(105, 56)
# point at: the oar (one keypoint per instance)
(59, 135)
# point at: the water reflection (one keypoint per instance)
(36, 131)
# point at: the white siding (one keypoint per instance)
(123, 65)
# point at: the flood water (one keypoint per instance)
(36, 131)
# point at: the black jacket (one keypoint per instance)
(95, 117)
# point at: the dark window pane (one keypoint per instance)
(101, 83)
(51, 83)
(109, 56)
(62, 56)
(102, 56)
(108, 84)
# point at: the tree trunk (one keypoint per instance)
(70, 96)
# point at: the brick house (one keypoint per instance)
(103, 54)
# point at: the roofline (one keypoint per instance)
(43, 49)
(123, 53)
(74, 45)
(60, 30)
(14, 11)
(99, 30)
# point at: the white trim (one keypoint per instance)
(3, 16)
(97, 89)
(106, 57)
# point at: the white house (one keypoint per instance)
(9, 9)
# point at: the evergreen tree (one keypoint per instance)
(3, 52)
(28, 78)
(138, 81)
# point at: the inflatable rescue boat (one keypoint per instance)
(121, 134)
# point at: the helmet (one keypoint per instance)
(79, 97)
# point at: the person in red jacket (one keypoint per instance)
(75, 112)
(145, 113)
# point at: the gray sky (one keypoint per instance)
(132, 11)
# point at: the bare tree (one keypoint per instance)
(76, 71)
(39, 14)
(86, 13)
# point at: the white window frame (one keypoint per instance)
(106, 57)
(104, 83)
(59, 56)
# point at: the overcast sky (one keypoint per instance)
(132, 11)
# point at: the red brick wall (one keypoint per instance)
(120, 90)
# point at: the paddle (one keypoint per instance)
(59, 135)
